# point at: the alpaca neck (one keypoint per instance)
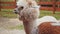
(29, 26)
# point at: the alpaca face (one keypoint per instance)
(22, 4)
(27, 10)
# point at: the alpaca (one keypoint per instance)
(28, 11)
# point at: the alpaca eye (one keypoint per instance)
(22, 7)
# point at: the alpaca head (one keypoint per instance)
(26, 13)
(20, 5)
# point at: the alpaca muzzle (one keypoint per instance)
(15, 12)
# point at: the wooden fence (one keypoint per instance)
(53, 5)
(7, 4)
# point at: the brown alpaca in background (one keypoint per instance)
(47, 28)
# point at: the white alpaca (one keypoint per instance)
(28, 11)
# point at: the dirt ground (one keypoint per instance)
(5, 23)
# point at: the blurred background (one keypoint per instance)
(9, 22)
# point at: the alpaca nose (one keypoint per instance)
(15, 11)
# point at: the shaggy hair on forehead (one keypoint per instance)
(21, 3)
(27, 3)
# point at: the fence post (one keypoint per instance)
(54, 6)
(15, 3)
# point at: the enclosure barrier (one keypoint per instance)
(7, 4)
(53, 5)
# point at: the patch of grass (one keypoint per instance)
(20, 27)
(7, 13)
(49, 13)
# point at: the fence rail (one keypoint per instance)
(53, 5)
(7, 5)
(48, 5)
